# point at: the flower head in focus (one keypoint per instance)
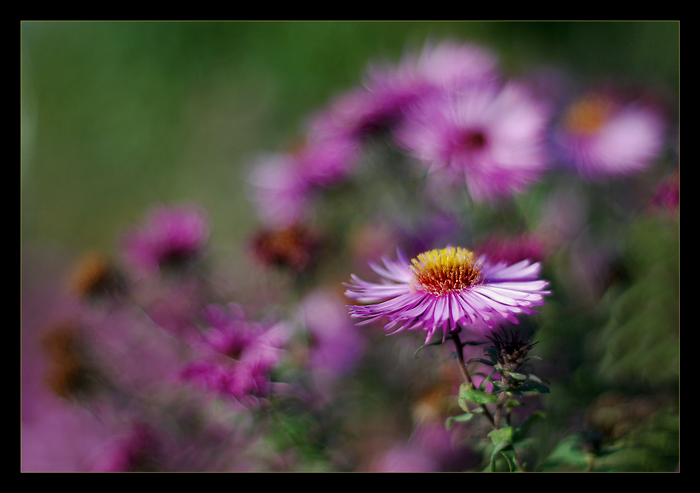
(489, 136)
(170, 236)
(446, 290)
(601, 136)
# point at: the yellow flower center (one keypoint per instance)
(444, 271)
(587, 115)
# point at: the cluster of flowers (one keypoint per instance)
(453, 112)
(466, 124)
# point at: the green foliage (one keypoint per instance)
(475, 395)
(640, 341)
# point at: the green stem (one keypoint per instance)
(499, 411)
(465, 372)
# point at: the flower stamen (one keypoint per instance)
(444, 271)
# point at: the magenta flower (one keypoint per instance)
(601, 136)
(169, 235)
(336, 346)
(326, 159)
(491, 137)
(446, 290)
(447, 66)
(450, 65)
(236, 355)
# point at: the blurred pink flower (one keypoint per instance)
(279, 190)
(336, 345)
(490, 137)
(445, 66)
(601, 135)
(236, 355)
(169, 235)
(390, 89)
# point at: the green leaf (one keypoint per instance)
(463, 404)
(462, 418)
(509, 455)
(502, 442)
(499, 387)
(513, 403)
(501, 435)
(475, 395)
(517, 376)
(536, 379)
(531, 389)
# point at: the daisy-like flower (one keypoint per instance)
(601, 136)
(446, 290)
(490, 136)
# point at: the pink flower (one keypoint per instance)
(336, 345)
(390, 89)
(327, 159)
(603, 136)
(447, 290)
(490, 137)
(237, 355)
(169, 235)
(446, 66)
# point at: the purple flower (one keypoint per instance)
(446, 66)
(169, 235)
(336, 345)
(491, 137)
(451, 65)
(445, 290)
(601, 136)
(324, 160)
(237, 355)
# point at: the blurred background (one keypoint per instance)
(117, 117)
